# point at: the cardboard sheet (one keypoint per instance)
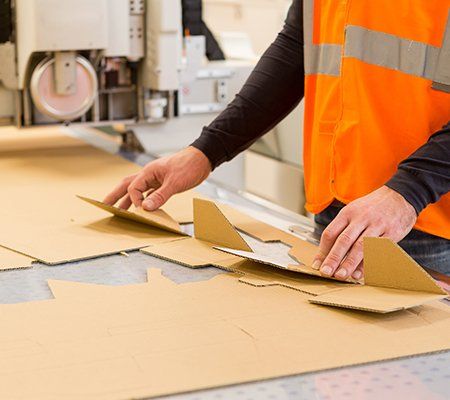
(11, 260)
(157, 219)
(394, 281)
(139, 341)
(42, 172)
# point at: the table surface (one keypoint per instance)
(422, 377)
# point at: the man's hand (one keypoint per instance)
(382, 213)
(163, 178)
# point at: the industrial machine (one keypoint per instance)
(108, 61)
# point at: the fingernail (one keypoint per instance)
(326, 270)
(148, 205)
(342, 273)
(316, 264)
(357, 275)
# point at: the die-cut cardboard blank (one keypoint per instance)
(394, 281)
(139, 341)
(11, 260)
(42, 171)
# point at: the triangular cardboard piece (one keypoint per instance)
(210, 225)
(160, 338)
(158, 219)
(387, 265)
(393, 282)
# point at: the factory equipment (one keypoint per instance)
(108, 61)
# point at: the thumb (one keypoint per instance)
(158, 198)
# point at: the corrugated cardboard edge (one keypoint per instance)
(13, 260)
(157, 219)
(358, 307)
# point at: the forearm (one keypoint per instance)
(425, 176)
(272, 91)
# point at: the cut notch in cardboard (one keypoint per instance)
(158, 219)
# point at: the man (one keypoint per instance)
(376, 80)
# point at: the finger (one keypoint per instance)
(342, 245)
(125, 203)
(142, 183)
(119, 191)
(159, 197)
(328, 238)
(355, 255)
(359, 272)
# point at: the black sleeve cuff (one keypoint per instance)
(212, 147)
(411, 188)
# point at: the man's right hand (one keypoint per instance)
(163, 178)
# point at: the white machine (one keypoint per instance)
(106, 61)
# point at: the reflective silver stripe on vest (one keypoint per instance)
(324, 59)
(442, 74)
(389, 51)
(377, 48)
(308, 22)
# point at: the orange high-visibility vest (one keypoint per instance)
(377, 87)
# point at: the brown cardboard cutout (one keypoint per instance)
(155, 339)
(379, 294)
(158, 219)
(211, 225)
(42, 171)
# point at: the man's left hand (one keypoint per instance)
(382, 213)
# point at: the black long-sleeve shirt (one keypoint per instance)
(275, 88)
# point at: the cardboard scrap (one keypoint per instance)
(158, 219)
(393, 281)
(140, 341)
(9, 259)
(42, 171)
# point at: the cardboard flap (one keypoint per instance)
(374, 299)
(159, 218)
(210, 225)
(387, 265)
